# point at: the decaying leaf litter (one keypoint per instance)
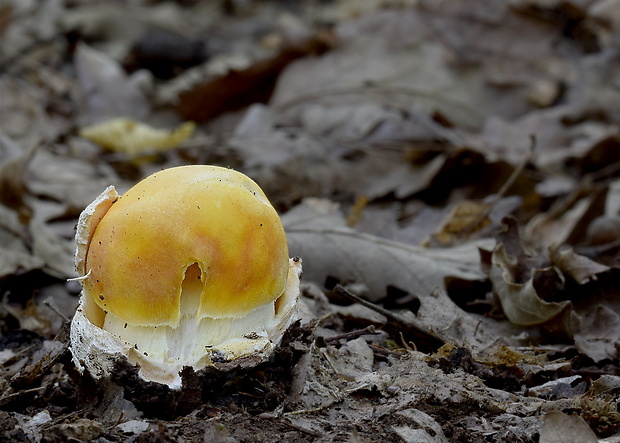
(455, 164)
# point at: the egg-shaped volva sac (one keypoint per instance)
(189, 267)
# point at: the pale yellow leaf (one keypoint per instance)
(133, 138)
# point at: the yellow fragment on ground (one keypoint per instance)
(134, 138)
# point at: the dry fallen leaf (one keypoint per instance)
(15, 262)
(579, 268)
(598, 335)
(536, 290)
(520, 300)
(331, 250)
(252, 82)
(105, 91)
(56, 252)
(422, 429)
(318, 232)
(466, 218)
(134, 138)
(561, 428)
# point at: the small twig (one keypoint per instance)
(477, 326)
(352, 335)
(411, 346)
(399, 320)
(8, 398)
(315, 323)
(313, 410)
(340, 290)
(55, 309)
(385, 352)
(38, 370)
(64, 418)
(118, 420)
(605, 173)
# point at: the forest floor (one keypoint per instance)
(449, 173)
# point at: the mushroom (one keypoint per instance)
(189, 267)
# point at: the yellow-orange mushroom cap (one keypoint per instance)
(214, 217)
(189, 267)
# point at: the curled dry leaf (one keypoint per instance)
(520, 301)
(579, 268)
(513, 273)
(525, 282)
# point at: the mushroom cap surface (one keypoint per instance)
(207, 226)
